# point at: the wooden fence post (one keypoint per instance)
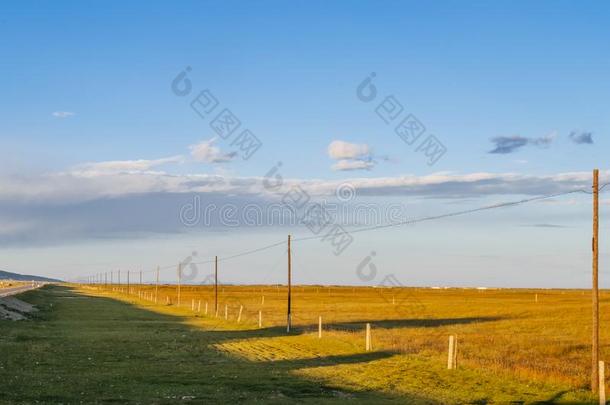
(241, 308)
(226, 312)
(193, 304)
(320, 327)
(206, 307)
(260, 319)
(455, 350)
(452, 353)
(368, 345)
(199, 306)
(602, 383)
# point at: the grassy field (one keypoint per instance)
(103, 345)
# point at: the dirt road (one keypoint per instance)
(5, 292)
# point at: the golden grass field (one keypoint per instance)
(511, 349)
(533, 335)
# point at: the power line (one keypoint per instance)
(451, 214)
(394, 224)
(248, 252)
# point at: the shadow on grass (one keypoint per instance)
(414, 323)
(100, 349)
(352, 326)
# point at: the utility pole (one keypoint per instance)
(157, 286)
(128, 291)
(179, 281)
(595, 289)
(140, 278)
(289, 317)
(216, 284)
(119, 277)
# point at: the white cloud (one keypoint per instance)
(205, 151)
(63, 114)
(345, 150)
(350, 156)
(347, 164)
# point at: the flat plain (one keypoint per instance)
(111, 344)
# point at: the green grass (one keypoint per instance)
(87, 346)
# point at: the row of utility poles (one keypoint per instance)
(595, 362)
(97, 279)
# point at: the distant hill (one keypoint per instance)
(5, 275)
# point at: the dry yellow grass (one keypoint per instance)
(110, 346)
(503, 330)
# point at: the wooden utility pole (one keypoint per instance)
(288, 318)
(119, 277)
(140, 278)
(157, 286)
(179, 281)
(595, 290)
(216, 284)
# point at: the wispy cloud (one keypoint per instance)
(122, 178)
(205, 151)
(581, 138)
(87, 200)
(63, 114)
(510, 144)
(123, 166)
(347, 165)
(545, 226)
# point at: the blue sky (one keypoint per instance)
(90, 83)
